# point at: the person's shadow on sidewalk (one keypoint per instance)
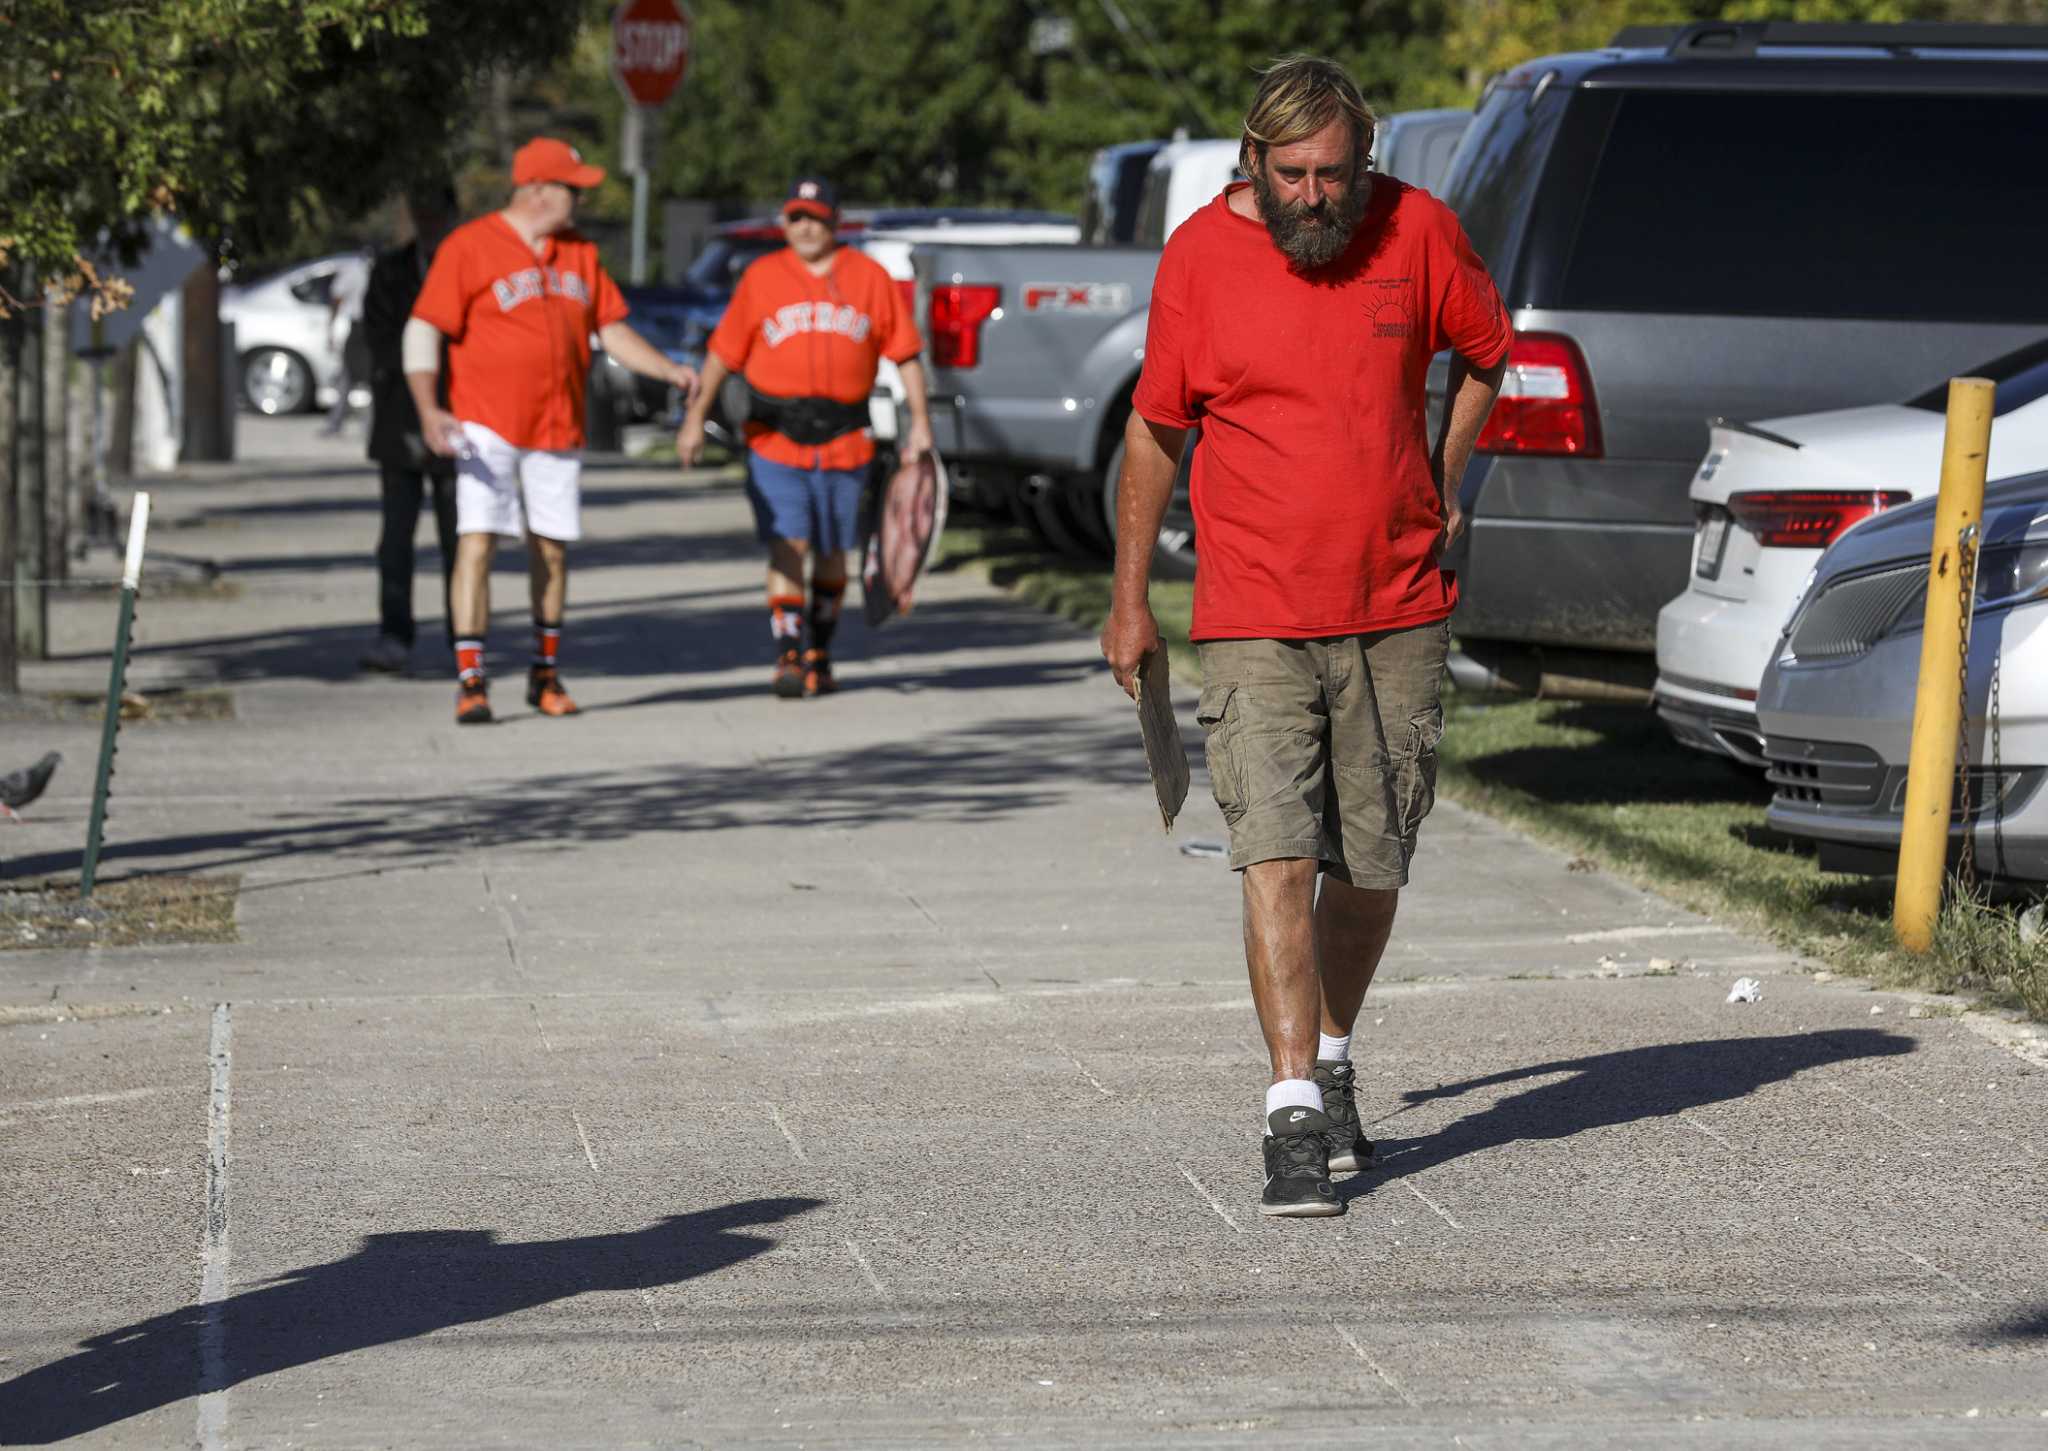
(395, 1287)
(1608, 1089)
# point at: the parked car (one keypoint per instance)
(1035, 351)
(286, 358)
(1691, 223)
(1417, 146)
(1770, 496)
(1109, 204)
(1836, 704)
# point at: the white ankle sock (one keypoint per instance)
(1293, 1093)
(1333, 1050)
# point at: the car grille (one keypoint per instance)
(1824, 773)
(1848, 617)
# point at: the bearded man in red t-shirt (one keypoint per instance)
(1293, 319)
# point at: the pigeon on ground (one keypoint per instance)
(18, 788)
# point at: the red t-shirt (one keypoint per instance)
(518, 324)
(1315, 510)
(794, 335)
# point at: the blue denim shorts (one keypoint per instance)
(818, 505)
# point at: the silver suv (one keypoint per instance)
(1746, 220)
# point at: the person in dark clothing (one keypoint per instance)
(411, 471)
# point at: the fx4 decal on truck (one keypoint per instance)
(1112, 298)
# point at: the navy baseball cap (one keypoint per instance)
(812, 196)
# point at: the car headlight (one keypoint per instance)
(2012, 574)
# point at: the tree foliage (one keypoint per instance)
(247, 119)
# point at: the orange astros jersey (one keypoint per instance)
(795, 335)
(518, 324)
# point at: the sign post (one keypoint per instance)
(650, 56)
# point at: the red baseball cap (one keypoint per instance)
(546, 159)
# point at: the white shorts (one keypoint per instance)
(494, 479)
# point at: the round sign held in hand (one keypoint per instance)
(650, 50)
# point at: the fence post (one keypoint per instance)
(1938, 704)
(103, 778)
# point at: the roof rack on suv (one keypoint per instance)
(1717, 39)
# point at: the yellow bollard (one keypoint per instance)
(1938, 704)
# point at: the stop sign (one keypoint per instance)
(650, 49)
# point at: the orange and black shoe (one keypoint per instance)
(473, 702)
(788, 680)
(818, 673)
(545, 694)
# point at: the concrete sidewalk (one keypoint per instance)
(714, 1070)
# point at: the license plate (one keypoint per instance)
(1713, 542)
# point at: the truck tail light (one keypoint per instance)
(1808, 518)
(1546, 401)
(958, 311)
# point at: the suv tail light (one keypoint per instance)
(1546, 401)
(958, 311)
(1808, 518)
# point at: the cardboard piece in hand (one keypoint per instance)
(1164, 753)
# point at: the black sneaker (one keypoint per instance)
(1350, 1149)
(1298, 1165)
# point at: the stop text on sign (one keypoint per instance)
(650, 45)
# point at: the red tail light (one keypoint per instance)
(958, 311)
(1808, 518)
(1546, 401)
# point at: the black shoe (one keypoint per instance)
(1298, 1165)
(1350, 1149)
(788, 680)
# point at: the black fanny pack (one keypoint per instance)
(809, 421)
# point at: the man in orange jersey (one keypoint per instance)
(517, 294)
(807, 327)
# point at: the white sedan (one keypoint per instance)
(1770, 497)
(285, 343)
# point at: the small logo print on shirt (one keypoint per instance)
(1386, 307)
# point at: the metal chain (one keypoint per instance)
(1966, 582)
(1997, 762)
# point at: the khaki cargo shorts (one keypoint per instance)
(1326, 748)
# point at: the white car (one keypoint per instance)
(892, 249)
(1770, 497)
(288, 358)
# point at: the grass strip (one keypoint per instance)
(135, 912)
(1608, 784)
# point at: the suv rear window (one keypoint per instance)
(1908, 207)
(2021, 378)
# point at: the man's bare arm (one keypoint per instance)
(1151, 455)
(916, 394)
(642, 357)
(690, 437)
(1471, 392)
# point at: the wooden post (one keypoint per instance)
(25, 561)
(10, 366)
(58, 483)
(1938, 704)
